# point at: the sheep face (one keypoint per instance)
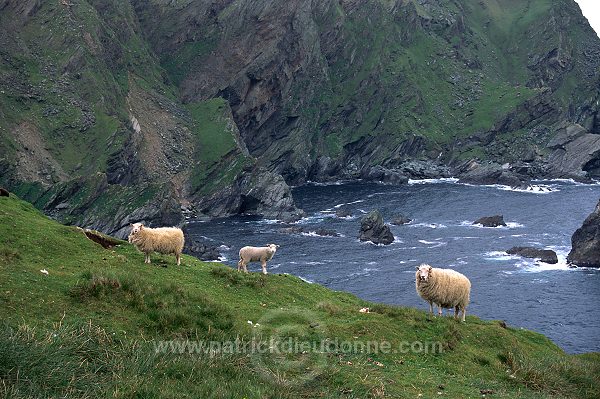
(136, 228)
(424, 272)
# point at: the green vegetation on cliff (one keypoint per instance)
(91, 327)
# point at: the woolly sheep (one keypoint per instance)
(164, 240)
(444, 287)
(256, 254)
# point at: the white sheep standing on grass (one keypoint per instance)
(256, 254)
(164, 240)
(444, 287)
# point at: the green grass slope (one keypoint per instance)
(93, 326)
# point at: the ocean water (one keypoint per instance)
(555, 300)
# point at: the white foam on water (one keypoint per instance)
(347, 203)
(316, 218)
(531, 189)
(433, 181)
(314, 234)
(429, 225)
(509, 225)
(500, 255)
(266, 221)
(569, 181)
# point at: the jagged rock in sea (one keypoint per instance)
(585, 242)
(373, 229)
(400, 219)
(491, 221)
(545, 255)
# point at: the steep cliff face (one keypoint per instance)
(91, 129)
(325, 88)
(117, 111)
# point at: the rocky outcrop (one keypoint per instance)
(201, 250)
(343, 213)
(585, 243)
(374, 230)
(575, 154)
(492, 173)
(545, 255)
(491, 221)
(231, 101)
(383, 175)
(4, 192)
(400, 219)
(255, 192)
(419, 169)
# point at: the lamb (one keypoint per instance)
(256, 254)
(444, 287)
(164, 240)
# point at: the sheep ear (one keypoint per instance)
(430, 268)
(417, 267)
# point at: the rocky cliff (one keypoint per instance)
(114, 111)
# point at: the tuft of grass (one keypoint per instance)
(330, 308)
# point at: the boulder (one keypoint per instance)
(400, 219)
(493, 173)
(201, 250)
(418, 169)
(373, 229)
(4, 192)
(381, 174)
(343, 213)
(491, 221)
(545, 255)
(585, 243)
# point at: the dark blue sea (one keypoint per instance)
(560, 302)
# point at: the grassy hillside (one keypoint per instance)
(91, 327)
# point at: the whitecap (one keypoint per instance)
(266, 221)
(348, 203)
(429, 225)
(433, 181)
(434, 244)
(500, 255)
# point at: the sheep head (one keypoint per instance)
(272, 247)
(136, 228)
(424, 272)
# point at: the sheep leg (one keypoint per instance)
(263, 264)
(239, 265)
(147, 259)
(244, 264)
(464, 314)
(431, 308)
(178, 259)
(456, 310)
(439, 310)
